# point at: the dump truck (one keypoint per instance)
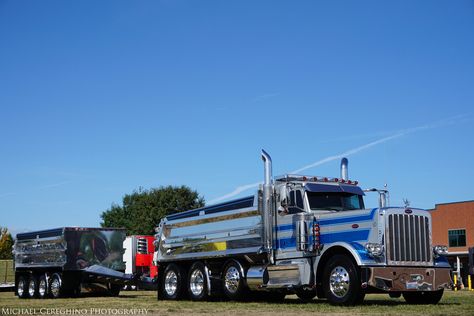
(304, 235)
(65, 261)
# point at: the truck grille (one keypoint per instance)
(142, 246)
(408, 239)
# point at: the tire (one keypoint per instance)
(43, 286)
(22, 287)
(197, 282)
(424, 297)
(114, 289)
(172, 285)
(341, 281)
(233, 281)
(306, 295)
(56, 287)
(33, 287)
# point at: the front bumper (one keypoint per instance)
(409, 278)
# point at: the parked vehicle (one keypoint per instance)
(138, 259)
(307, 235)
(64, 261)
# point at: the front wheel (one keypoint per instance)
(341, 281)
(423, 297)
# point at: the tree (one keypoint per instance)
(142, 210)
(6, 244)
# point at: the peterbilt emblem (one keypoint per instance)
(408, 211)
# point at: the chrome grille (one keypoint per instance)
(142, 246)
(408, 239)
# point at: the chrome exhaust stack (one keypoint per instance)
(267, 204)
(344, 169)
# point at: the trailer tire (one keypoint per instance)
(173, 283)
(233, 281)
(33, 286)
(43, 286)
(22, 287)
(424, 297)
(197, 282)
(56, 287)
(341, 281)
(114, 289)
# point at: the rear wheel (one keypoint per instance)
(33, 287)
(43, 287)
(423, 297)
(56, 287)
(197, 282)
(173, 283)
(233, 281)
(341, 281)
(22, 287)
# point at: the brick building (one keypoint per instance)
(453, 226)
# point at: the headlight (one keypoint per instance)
(375, 250)
(440, 250)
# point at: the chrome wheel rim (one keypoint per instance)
(42, 288)
(171, 283)
(196, 282)
(232, 279)
(55, 287)
(31, 288)
(21, 287)
(339, 281)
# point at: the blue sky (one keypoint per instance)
(100, 98)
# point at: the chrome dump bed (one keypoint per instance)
(230, 228)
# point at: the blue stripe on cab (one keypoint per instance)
(349, 219)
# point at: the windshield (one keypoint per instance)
(336, 201)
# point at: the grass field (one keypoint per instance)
(6, 271)
(453, 303)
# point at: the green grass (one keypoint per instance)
(453, 303)
(6, 271)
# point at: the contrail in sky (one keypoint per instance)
(349, 152)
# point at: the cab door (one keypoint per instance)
(286, 221)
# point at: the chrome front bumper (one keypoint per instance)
(409, 278)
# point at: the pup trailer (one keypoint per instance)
(64, 261)
(304, 235)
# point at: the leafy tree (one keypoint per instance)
(142, 210)
(6, 243)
